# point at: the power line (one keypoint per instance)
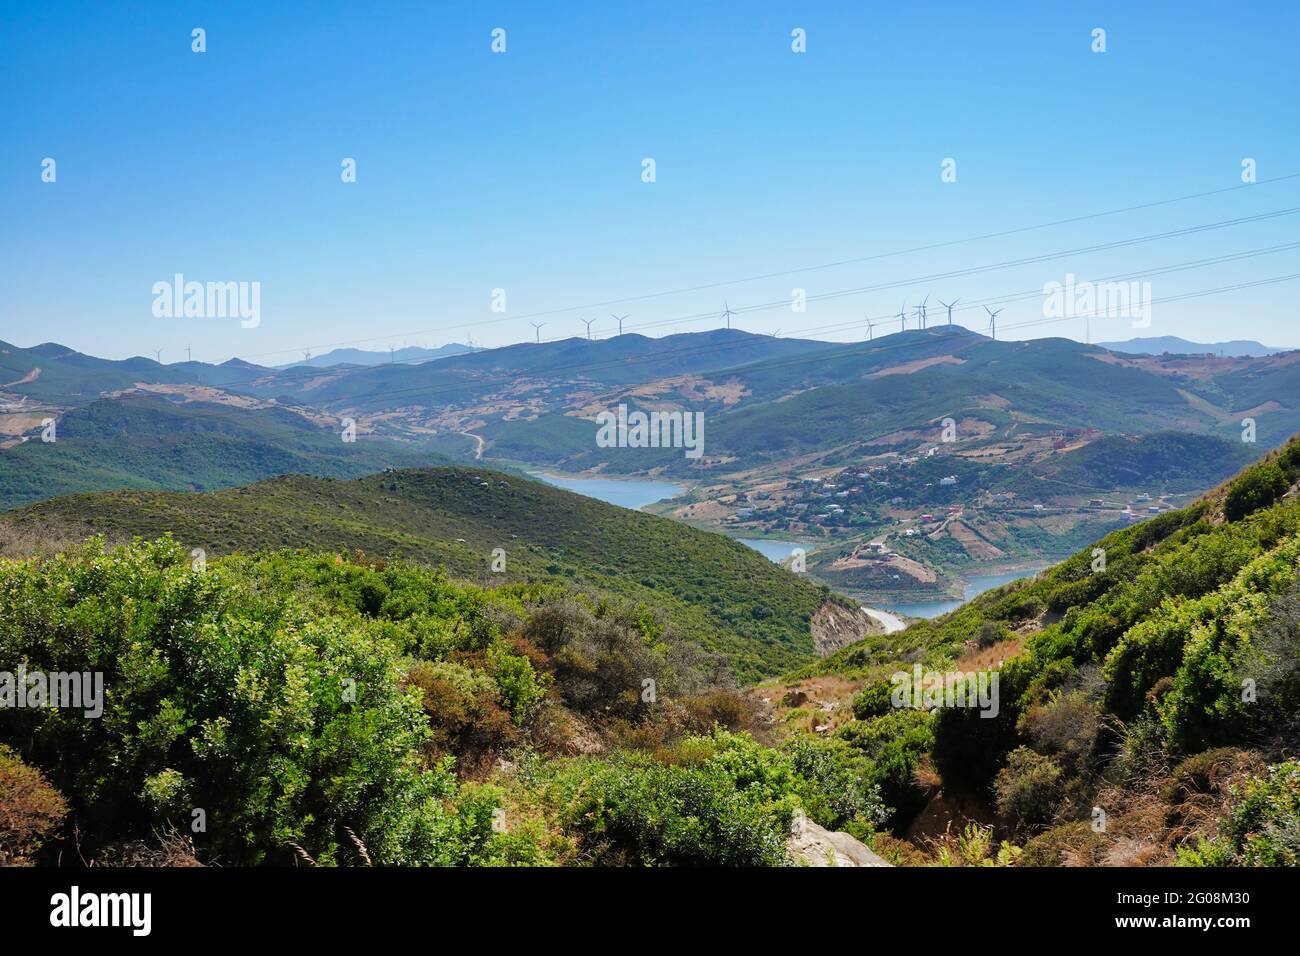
(972, 305)
(819, 355)
(829, 265)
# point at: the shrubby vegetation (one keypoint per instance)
(727, 600)
(1262, 828)
(338, 709)
(1169, 640)
(312, 708)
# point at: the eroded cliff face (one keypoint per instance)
(835, 626)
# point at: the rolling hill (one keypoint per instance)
(1173, 345)
(58, 375)
(717, 593)
(407, 355)
(1155, 674)
(149, 442)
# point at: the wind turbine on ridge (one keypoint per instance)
(619, 319)
(588, 321)
(902, 318)
(948, 306)
(537, 327)
(993, 321)
(727, 313)
(920, 310)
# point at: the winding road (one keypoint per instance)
(478, 447)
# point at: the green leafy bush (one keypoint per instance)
(730, 805)
(285, 728)
(1029, 787)
(1257, 487)
(1261, 829)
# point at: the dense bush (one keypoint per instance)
(894, 745)
(834, 783)
(30, 810)
(1029, 787)
(286, 728)
(728, 802)
(1261, 829)
(1257, 487)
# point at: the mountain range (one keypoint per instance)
(1173, 345)
(407, 355)
(949, 450)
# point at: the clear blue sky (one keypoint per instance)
(523, 170)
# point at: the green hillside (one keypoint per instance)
(324, 711)
(326, 708)
(1144, 675)
(718, 594)
(1158, 462)
(148, 442)
(57, 374)
(855, 397)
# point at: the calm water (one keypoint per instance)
(777, 551)
(626, 494)
(974, 585)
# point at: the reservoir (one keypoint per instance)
(631, 493)
(974, 585)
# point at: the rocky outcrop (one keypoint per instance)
(835, 626)
(811, 845)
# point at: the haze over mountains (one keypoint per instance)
(407, 355)
(1173, 345)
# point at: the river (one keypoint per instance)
(977, 584)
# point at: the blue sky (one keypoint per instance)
(522, 170)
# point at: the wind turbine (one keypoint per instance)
(619, 319)
(920, 310)
(157, 354)
(537, 327)
(948, 306)
(993, 321)
(902, 318)
(727, 313)
(870, 325)
(588, 321)
(306, 356)
(188, 357)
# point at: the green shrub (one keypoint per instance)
(874, 700)
(731, 807)
(1029, 787)
(283, 727)
(1261, 829)
(1256, 488)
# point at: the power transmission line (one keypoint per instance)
(851, 261)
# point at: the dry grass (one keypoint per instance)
(172, 848)
(20, 541)
(991, 658)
